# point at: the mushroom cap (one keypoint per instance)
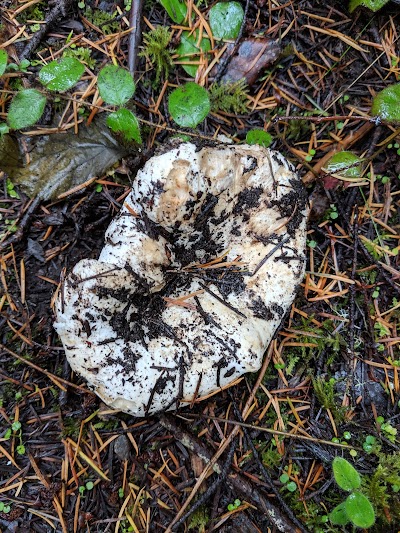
(198, 269)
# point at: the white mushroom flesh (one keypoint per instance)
(152, 324)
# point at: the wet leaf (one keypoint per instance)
(59, 162)
(176, 9)
(344, 164)
(189, 46)
(373, 5)
(3, 61)
(261, 137)
(61, 75)
(3, 128)
(124, 121)
(116, 85)
(359, 510)
(226, 19)
(189, 105)
(338, 516)
(386, 104)
(346, 476)
(25, 109)
(252, 56)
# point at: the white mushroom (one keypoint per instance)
(197, 271)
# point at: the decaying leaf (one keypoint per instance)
(252, 56)
(53, 164)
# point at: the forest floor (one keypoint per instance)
(330, 383)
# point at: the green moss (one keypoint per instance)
(326, 395)
(229, 97)
(103, 20)
(199, 519)
(81, 54)
(156, 50)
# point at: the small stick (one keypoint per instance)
(135, 35)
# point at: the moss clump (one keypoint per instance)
(229, 97)
(156, 50)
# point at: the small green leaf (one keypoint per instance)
(345, 164)
(21, 449)
(284, 478)
(189, 105)
(261, 137)
(338, 516)
(291, 486)
(373, 5)
(176, 9)
(226, 19)
(189, 46)
(3, 128)
(125, 122)
(359, 510)
(26, 108)
(61, 75)
(386, 104)
(116, 85)
(16, 425)
(89, 485)
(346, 476)
(3, 61)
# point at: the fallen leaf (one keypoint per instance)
(61, 161)
(252, 56)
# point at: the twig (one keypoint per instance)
(58, 10)
(237, 482)
(135, 35)
(264, 471)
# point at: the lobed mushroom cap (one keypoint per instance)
(197, 272)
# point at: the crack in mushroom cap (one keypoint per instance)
(197, 272)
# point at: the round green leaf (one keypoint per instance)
(359, 510)
(346, 476)
(3, 61)
(124, 121)
(386, 104)
(284, 478)
(3, 128)
(116, 85)
(25, 109)
(61, 75)
(373, 5)
(261, 137)
(338, 516)
(189, 46)
(226, 19)
(189, 105)
(345, 164)
(176, 9)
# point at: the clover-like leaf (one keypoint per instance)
(261, 137)
(344, 164)
(359, 510)
(338, 515)
(3, 61)
(116, 85)
(61, 75)
(189, 105)
(226, 19)
(373, 5)
(176, 9)
(386, 104)
(346, 476)
(124, 121)
(25, 109)
(189, 47)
